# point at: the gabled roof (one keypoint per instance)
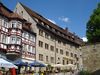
(34, 14)
(15, 16)
(1, 4)
(4, 11)
(8, 13)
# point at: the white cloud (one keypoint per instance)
(64, 19)
(84, 39)
(52, 21)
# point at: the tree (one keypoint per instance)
(93, 26)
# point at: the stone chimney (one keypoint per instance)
(66, 29)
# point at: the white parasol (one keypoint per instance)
(6, 64)
(58, 65)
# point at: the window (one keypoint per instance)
(47, 35)
(5, 24)
(18, 40)
(23, 34)
(41, 57)
(63, 62)
(56, 50)
(22, 13)
(77, 59)
(47, 59)
(17, 47)
(71, 61)
(67, 53)
(4, 39)
(19, 25)
(64, 43)
(71, 54)
(67, 62)
(27, 47)
(61, 51)
(52, 48)
(75, 55)
(58, 61)
(23, 47)
(71, 46)
(26, 35)
(32, 38)
(52, 59)
(33, 49)
(13, 40)
(46, 46)
(59, 41)
(40, 32)
(40, 44)
(52, 38)
(14, 24)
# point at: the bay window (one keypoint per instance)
(4, 37)
(14, 24)
(15, 40)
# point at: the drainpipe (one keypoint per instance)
(55, 50)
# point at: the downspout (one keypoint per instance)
(55, 50)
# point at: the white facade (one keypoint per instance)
(15, 41)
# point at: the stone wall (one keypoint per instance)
(91, 57)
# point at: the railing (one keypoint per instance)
(28, 41)
(28, 54)
(3, 46)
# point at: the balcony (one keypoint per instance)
(3, 47)
(26, 54)
(15, 31)
(13, 50)
(13, 53)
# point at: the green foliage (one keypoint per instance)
(93, 26)
(84, 73)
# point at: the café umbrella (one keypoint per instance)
(20, 63)
(58, 65)
(6, 64)
(37, 64)
(70, 66)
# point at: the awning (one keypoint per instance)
(70, 66)
(68, 58)
(6, 64)
(58, 65)
(37, 64)
(21, 62)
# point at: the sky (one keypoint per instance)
(73, 14)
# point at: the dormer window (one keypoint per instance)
(42, 23)
(47, 35)
(40, 32)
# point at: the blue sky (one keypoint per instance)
(73, 14)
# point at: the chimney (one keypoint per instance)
(66, 29)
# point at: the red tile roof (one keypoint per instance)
(4, 11)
